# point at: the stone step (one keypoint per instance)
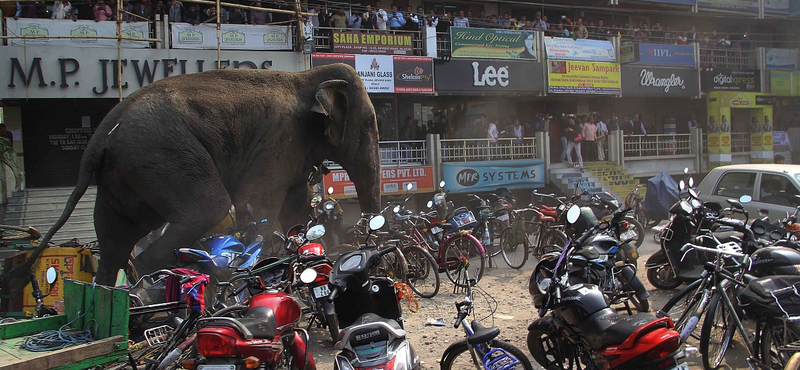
(47, 220)
(78, 212)
(48, 199)
(48, 206)
(55, 192)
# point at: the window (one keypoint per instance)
(777, 190)
(736, 184)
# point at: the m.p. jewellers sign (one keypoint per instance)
(653, 81)
(52, 72)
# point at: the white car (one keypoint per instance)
(775, 188)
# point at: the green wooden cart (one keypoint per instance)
(100, 309)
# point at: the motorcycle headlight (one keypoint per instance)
(402, 358)
(329, 206)
(438, 199)
(343, 364)
(396, 209)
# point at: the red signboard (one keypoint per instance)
(393, 181)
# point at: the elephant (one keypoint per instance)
(183, 149)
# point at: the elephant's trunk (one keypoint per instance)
(365, 172)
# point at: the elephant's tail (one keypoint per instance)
(92, 160)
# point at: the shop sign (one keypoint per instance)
(659, 81)
(765, 100)
(83, 28)
(468, 177)
(394, 180)
(489, 75)
(781, 58)
(492, 43)
(777, 6)
(41, 72)
(718, 79)
(780, 83)
(372, 43)
(581, 49)
(657, 54)
(740, 5)
(231, 36)
(583, 77)
(386, 73)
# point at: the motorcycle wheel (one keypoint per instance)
(554, 241)
(423, 272)
(638, 228)
(643, 306)
(461, 260)
(549, 350)
(662, 278)
(332, 322)
(457, 355)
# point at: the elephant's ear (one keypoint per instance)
(331, 101)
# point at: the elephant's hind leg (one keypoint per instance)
(117, 236)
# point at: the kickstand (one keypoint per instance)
(628, 308)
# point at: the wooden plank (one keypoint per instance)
(26, 327)
(87, 296)
(102, 303)
(117, 356)
(74, 303)
(49, 360)
(120, 313)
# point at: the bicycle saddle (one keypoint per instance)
(482, 334)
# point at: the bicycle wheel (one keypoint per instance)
(774, 339)
(392, 265)
(554, 241)
(717, 333)
(457, 356)
(227, 295)
(634, 231)
(515, 254)
(682, 307)
(462, 257)
(423, 274)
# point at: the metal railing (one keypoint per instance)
(728, 58)
(464, 150)
(323, 41)
(656, 145)
(399, 153)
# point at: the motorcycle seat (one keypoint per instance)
(608, 328)
(547, 219)
(482, 334)
(371, 333)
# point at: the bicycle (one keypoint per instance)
(485, 351)
(712, 295)
(636, 201)
(489, 229)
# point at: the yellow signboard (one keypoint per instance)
(573, 77)
(719, 129)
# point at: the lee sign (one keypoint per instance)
(393, 181)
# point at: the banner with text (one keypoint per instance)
(386, 73)
(657, 54)
(581, 49)
(583, 77)
(469, 177)
(653, 81)
(721, 79)
(393, 181)
(739, 5)
(781, 58)
(492, 43)
(780, 83)
(489, 75)
(232, 37)
(66, 27)
(372, 43)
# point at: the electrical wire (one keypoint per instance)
(51, 340)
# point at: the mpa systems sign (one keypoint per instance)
(718, 79)
(470, 177)
(653, 81)
(489, 75)
(657, 54)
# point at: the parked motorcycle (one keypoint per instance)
(577, 329)
(328, 212)
(263, 331)
(603, 205)
(367, 307)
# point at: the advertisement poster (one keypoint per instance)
(492, 43)
(654, 81)
(66, 27)
(780, 83)
(777, 6)
(721, 79)
(489, 75)
(232, 37)
(657, 54)
(393, 181)
(581, 49)
(372, 43)
(386, 73)
(781, 59)
(468, 177)
(569, 77)
(741, 5)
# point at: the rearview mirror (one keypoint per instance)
(682, 185)
(315, 232)
(691, 182)
(693, 193)
(573, 213)
(330, 190)
(409, 187)
(745, 199)
(441, 184)
(430, 204)
(685, 170)
(377, 222)
(51, 275)
(396, 209)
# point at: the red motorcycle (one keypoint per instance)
(262, 331)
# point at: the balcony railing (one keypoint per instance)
(657, 145)
(401, 153)
(727, 58)
(740, 142)
(464, 150)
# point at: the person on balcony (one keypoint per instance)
(144, 11)
(160, 9)
(518, 132)
(461, 20)
(281, 17)
(381, 17)
(63, 10)
(101, 11)
(580, 30)
(176, 11)
(236, 16)
(354, 20)
(339, 19)
(396, 20)
(692, 124)
(259, 17)
(369, 20)
(431, 20)
(192, 16)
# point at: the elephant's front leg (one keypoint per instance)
(296, 207)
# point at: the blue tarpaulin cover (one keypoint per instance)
(662, 193)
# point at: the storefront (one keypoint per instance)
(54, 97)
(665, 97)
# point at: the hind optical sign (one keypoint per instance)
(488, 176)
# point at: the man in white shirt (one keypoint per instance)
(602, 134)
(461, 20)
(692, 124)
(381, 17)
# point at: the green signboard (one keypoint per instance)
(492, 43)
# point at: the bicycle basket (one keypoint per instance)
(772, 296)
(518, 229)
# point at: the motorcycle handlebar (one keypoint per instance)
(35, 285)
(333, 294)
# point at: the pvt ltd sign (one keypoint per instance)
(465, 177)
(393, 181)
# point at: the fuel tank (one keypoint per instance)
(580, 301)
(775, 261)
(287, 310)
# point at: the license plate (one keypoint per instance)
(503, 217)
(436, 229)
(321, 291)
(630, 234)
(216, 367)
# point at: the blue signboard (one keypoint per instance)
(657, 54)
(781, 59)
(470, 177)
